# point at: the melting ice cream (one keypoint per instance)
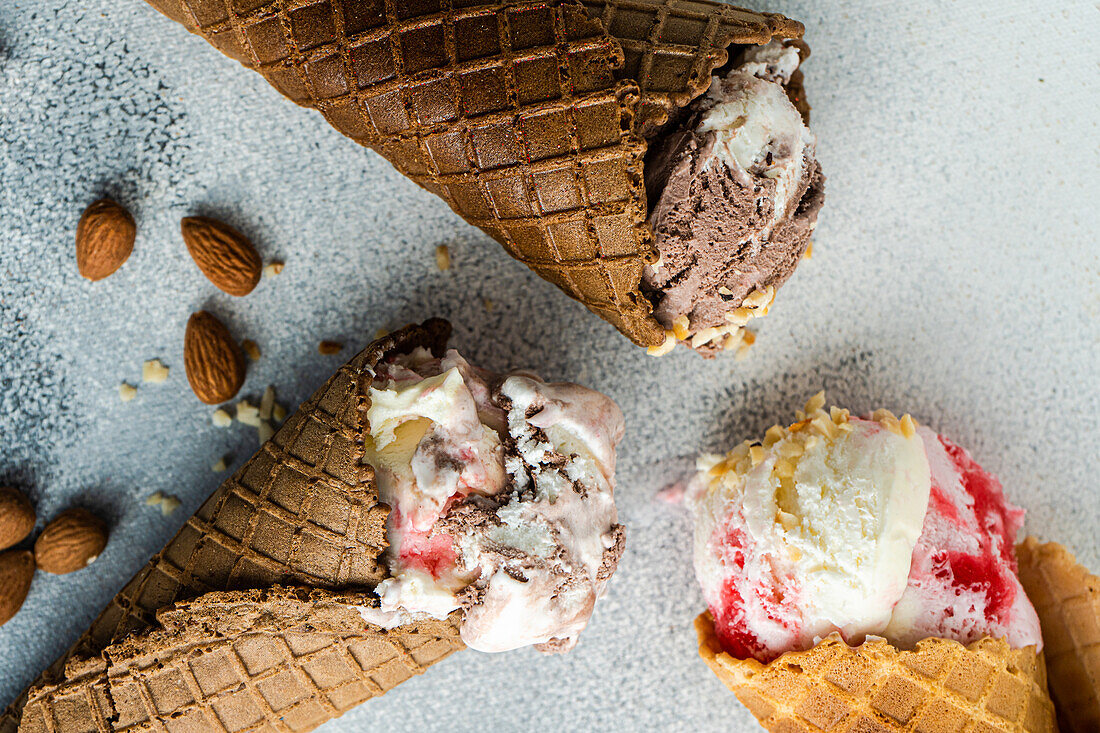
(501, 496)
(734, 192)
(872, 526)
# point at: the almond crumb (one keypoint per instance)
(221, 418)
(443, 257)
(126, 392)
(756, 454)
(908, 427)
(274, 269)
(219, 465)
(265, 430)
(809, 253)
(248, 414)
(267, 403)
(154, 499)
(680, 327)
(381, 333)
(663, 348)
(329, 348)
(278, 412)
(815, 403)
(154, 372)
(251, 349)
(168, 505)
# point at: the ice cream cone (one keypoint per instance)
(511, 112)
(302, 511)
(1067, 598)
(939, 686)
(280, 659)
(672, 46)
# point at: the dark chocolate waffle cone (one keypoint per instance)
(280, 659)
(939, 686)
(1067, 598)
(672, 46)
(509, 111)
(302, 511)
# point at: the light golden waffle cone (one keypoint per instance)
(1067, 598)
(939, 686)
(509, 111)
(302, 511)
(280, 659)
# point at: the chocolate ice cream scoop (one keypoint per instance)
(734, 192)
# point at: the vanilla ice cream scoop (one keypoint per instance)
(501, 497)
(872, 526)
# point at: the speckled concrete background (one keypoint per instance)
(956, 276)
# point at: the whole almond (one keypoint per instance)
(104, 239)
(70, 542)
(16, 517)
(212, 359)
(223, 254)
(16, 573)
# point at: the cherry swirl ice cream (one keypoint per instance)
(501, 495)
(859, 526)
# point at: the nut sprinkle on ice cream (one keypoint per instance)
(863, 526)
(501, 496)
(734, 195)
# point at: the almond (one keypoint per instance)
(16, 573)
(16, 517)
(223, 254)
(212, 359)
(104, 239)
(70, 542)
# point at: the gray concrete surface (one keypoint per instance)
(956, 276)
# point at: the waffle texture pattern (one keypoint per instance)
(940, 687)
(1067, 598)
(518, 114)
(303, 511)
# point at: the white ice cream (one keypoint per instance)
(810, 533)
(758, 130)
(501, 491)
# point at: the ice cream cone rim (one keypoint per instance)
(709, 645)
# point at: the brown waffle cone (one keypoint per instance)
(1067, 598)
(509, 111)
(671, 47)
(302, 511)
(279, 659)
(939, 686)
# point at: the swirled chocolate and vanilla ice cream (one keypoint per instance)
(858, 526)
(734, 192)
(500, 489)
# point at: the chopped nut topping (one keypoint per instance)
(381, 333)
(328, 348)
(274, 269)
(443, 257)
(278, 412)
(154, 372)
(221, 418)
(723, 290)
(680, 327)
(815, 403)
(809, 253)
(154, 499)
(126, 392)
(908, 425)
(251, 349)
(265, 430)
(668, 345)
(248, 414)
(219, 465)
